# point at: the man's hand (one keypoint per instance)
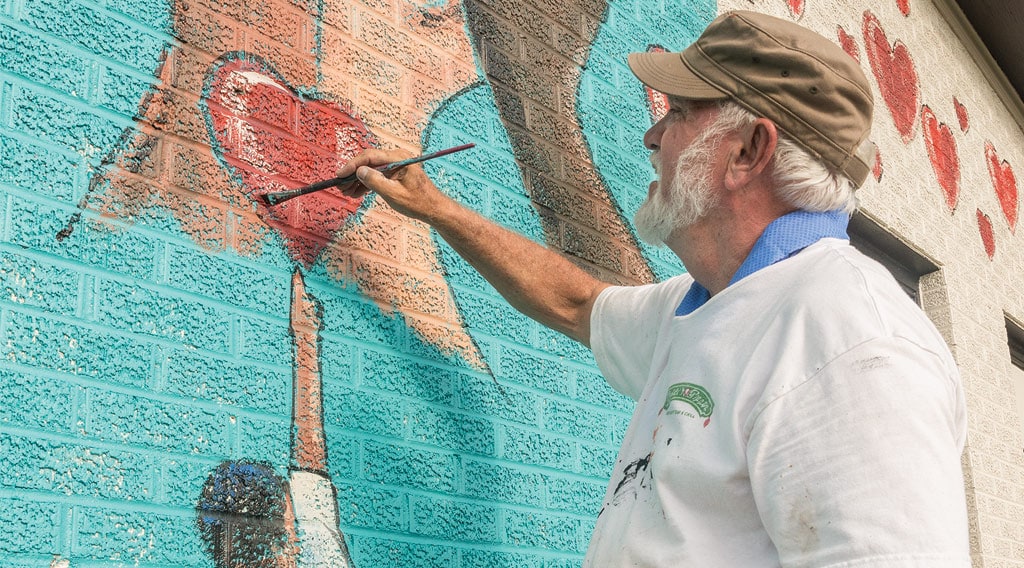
(407, 190)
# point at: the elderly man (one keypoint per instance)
(794, 407)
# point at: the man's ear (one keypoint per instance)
(753, 155)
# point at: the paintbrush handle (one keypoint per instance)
(282, 196)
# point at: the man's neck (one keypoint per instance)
(713, 248)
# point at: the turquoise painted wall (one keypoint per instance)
(134, 360)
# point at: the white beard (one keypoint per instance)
(688, 197)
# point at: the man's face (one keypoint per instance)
(686, 141)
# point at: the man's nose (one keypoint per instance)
(652, 138)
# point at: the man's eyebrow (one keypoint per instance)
(680, 105)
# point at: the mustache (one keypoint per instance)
(655, 158)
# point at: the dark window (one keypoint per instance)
(1015, 339)
(905, 263)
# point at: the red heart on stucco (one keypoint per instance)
(848, 44)
(987, 237)
(904, 6)
(1005, 184)
(797, 7)
(941, 146)
(273, 139)
(961, 115)
(897, 78)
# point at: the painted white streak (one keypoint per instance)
(316, 522)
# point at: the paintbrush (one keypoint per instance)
(282, 196)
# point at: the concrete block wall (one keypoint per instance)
(166, 339)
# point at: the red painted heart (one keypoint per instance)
(904, 6)
(961, 115)
(988, 239)
(1005, 184)
(848, 44)
(897, 78)
(941, 146)
(797, 7)
(273, 139)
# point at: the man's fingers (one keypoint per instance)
(371, 157)
(369, 177)
(354, 190)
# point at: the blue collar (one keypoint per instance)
(781, 239)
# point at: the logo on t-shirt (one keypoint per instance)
(695, 396)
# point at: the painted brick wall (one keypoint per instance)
(173, 351)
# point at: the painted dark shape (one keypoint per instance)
(797, 7)
(897, 78)
(274, 139)
(242, 516)
(1005, 183)
(904, 6)
(987, 237)
(657, 102)
(848, 43)
(961, 115)
(941, 146)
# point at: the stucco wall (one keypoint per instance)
(172, 350)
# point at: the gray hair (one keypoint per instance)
(800, 179)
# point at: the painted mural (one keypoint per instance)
(195, 378)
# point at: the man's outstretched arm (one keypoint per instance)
(534, 279)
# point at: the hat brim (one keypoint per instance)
(667, 73)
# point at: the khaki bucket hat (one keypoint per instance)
(807, 85)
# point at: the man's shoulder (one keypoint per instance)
(645, 299)
(838, 282)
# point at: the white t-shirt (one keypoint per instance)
(808, 415)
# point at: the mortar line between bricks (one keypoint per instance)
(137, 25)
(12, 8)
(172, 238)
(5, 223)
(79, 105)
(414, 445)
(132, 506)
(495, 546)
(386, 349)
(143, 392)
(498, 506)
(41, 145)
(464, 499)
(6, 94)
(355, 342)
(163, 289)
(469, 413)
(46, 560)
(36, 311)
(434, 448)
(161, 455)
